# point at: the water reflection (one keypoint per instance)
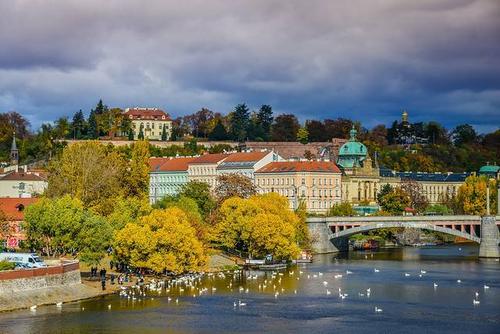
(305, 298)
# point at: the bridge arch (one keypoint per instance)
(425, 226)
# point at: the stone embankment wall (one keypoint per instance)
(27, 287)
(13, 281)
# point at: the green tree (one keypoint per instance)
(285, 128)
(265, 120)
(140, 136)
(395, 201)
(439, 209)
(162, 241)
(164, 136)
(303, 136)
(239, 122)
(343, 209)
(200, 192)
(219, 132)
(62, 128)
(128, 210)
(464, 134)
(93, 239)
(78, 125)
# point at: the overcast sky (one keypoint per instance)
(365, 60)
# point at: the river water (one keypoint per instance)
(297, 301)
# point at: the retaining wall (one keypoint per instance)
(13, 281)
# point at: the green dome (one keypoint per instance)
(352, 153)
(489, 169)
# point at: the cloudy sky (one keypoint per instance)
(364, 60)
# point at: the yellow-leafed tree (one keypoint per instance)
(471, 197)
(162, 241)
(259, 225)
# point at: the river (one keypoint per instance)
(402, 287)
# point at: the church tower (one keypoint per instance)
(14, 152)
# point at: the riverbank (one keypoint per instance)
(87, 289)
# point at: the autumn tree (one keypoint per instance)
(229, 185)
(472, 195)
(259, 225)
(163, 241)
(303, 136)
(190, 208)
(90, 172)
(137, 177)
(128, 210)
(414, 190)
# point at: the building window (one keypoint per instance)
(314, 181)
(303, 181)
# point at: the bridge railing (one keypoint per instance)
(374, 219)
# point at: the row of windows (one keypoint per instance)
(290, 192)
(169, 179)
(148, 126)
(291, 181)
(202, 170)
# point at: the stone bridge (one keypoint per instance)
(330, 234)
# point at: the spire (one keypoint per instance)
(353, 133)
(14, 146)
(14, 152)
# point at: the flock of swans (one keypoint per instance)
(198, 285)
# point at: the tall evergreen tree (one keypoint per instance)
(265, 121)
(78, 125)
(285, 128)
(164, 134)
(93, 119)
(140, 136)
(239, 122)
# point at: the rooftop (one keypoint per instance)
(14, 207)
(170, 164)
(246, 156)
(147, 114)
(209, 158)
(300, 166)
(22, 176)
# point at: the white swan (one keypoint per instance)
(59, 304)
(377, 309)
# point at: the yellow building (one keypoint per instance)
(152, 121)
(317, 183)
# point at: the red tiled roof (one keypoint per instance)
(154, 163)
(22, 176)
(14, 207)
(170, 164)
(246, 156)
(300, 166)
(147, 113)
(209, 158)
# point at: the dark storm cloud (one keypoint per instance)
(359, 59)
